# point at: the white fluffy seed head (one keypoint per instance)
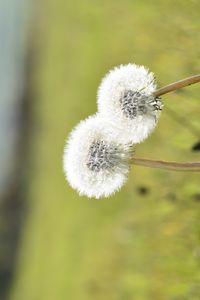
(95, 163)
(125, 98)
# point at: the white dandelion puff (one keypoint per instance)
(125, 98)
(95, 163)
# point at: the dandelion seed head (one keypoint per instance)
(95, 163)
(125, 98)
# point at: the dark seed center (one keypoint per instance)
(134, 104)
(101, 156)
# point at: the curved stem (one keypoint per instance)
(177, 85)
(168, 165)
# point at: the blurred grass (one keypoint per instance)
(144, 242)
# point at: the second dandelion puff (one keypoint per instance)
(125, 98)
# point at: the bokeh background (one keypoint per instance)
(142, 243)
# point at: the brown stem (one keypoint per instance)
(177, 85)
(168, 165)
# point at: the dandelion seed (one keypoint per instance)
(125, 98)
(95, 163)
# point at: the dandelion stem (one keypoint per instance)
(177, 85)
(168, 165)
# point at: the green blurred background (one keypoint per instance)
(144, 242)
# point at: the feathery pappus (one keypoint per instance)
(126, 100)
(95, 162)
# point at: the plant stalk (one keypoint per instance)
(167, 165)
(177, 85)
